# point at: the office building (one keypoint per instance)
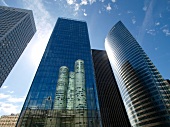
(168, 81)
(112, 110)
(9, 120)
(17, 27)
(63, 92)
(145, 95)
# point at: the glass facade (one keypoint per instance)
(145, 95)
(63, 92)
(17, 27)
(112, 110)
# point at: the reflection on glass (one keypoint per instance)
(70, 99)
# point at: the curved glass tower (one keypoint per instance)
(145, 95)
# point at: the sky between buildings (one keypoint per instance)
(147, 20)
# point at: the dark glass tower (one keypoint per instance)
(168, 81)
(17, 27)
(145, 95)
(112, 110)
(63, 91)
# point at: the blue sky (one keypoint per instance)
(147, 20)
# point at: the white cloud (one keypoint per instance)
(133, 20)
(115, 6)
(168, 8)
(108, 7)
(92, 1)
(4, 87)
(84, 2)
(160, 15)
(113, 1)
(129, 12)
(15, 99)
(10, 104)
(144, 8)
(166, 31)
(10, 91)
(84, 10)
(10, 98)
(147, 22)
(76, 7)
(157, 23)
(48, 2)
(4, 96)
(100, 12)
(43, 22)
(8, 108)
(151, 32)
(165, 26)
(85, 14)
(76, 13)
(102, 0)
(70, 2)
(156, 49)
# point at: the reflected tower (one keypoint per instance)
(145, 95)
(60, 101)
(70, 91)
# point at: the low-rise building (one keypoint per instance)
(9, 120)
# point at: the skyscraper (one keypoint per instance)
(17, 27)
(145, 95)
(63, 92)
(168, 81)
(112, 110)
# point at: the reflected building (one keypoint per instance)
(112, 110)
(17, 27)
(63, 92)
(145, 95)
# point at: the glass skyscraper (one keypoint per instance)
(145, 95)
(112, 110)
(63, 92)
(17, 27)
